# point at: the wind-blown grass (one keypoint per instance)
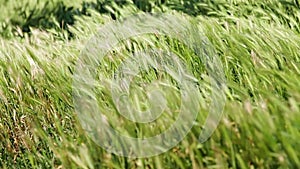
(260, 127)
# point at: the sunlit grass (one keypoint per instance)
(259, 129)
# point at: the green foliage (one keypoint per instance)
(257, 41)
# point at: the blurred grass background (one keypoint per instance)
(257, 41)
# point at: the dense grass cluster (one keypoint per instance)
(257, 41)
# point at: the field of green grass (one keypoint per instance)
(258, 43)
